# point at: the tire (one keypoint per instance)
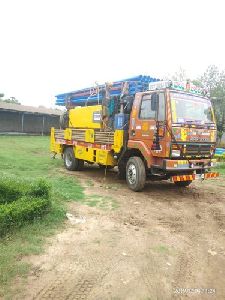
(135, 174)
(72, 163)
(183, 183)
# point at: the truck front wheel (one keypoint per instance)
(70, 161)
(135, 174)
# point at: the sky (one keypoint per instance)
(50, 46)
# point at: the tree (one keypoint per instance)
(180, 75)
(12, 100)
(214, 81)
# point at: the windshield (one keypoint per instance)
(189, 108)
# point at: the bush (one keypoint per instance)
(21, 202)
(17, 213)
(220, 157)
(11, 189)
(39, 189)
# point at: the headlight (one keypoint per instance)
(175, 153)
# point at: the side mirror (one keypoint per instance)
(128, 101)
(154, 102)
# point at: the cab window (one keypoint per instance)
(162, 107)
(145, 110)
(147, 113)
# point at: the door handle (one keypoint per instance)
(132, 132)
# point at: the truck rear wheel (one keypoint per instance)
(183, 183)
(70, 161)
(135, 173)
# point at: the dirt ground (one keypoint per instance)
(163, 243)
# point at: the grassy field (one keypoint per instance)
(28, 158)
(221, 168)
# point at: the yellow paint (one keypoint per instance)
(90, 136)
(213, 116)
(180, 162)
(183, 134)
(99, 156)
(134, 112)
(68, 134)
(105, 157)
(183, 162)
(213, 136)
(173, 108)
(55, 147)
(161, 131)
(144, 126)
(118, 140)
(83, 117)
(84, 153)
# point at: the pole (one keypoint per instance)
(22, 122)
(43, 125)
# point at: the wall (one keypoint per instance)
(27, 123)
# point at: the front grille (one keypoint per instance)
(197, 150)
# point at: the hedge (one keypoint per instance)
(12, 189)
(39, 189)
(17, 213)
(21, 202)
(220, 157)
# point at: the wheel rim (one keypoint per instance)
(132, 174)
(68, 159)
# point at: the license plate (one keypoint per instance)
(199, 176)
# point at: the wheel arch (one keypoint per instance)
(130, 152)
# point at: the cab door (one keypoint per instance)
(143, 126)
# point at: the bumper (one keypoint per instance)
(188, 165)
(194, 177)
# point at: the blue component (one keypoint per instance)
(220, 151)
(121, 121)
(90, 95)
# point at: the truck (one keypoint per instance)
(148, 128)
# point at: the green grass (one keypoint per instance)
(220, 168)
(103, 202)
(161, 249)
(28, 158)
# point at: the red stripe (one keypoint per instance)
(84, 144)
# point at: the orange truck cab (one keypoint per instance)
(172, 135)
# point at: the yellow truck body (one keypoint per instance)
(89, 145)
(85, 117)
